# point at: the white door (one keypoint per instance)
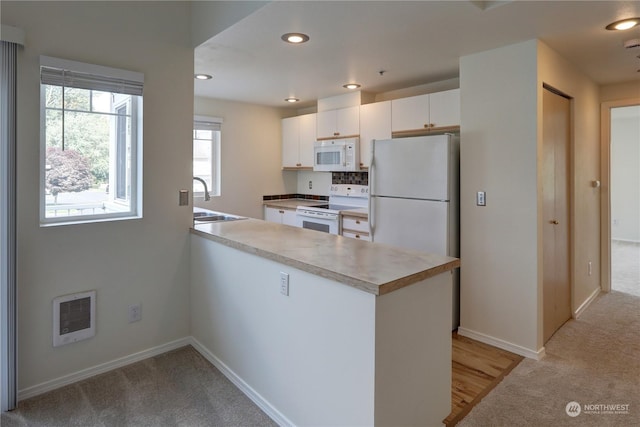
(412, 167)
(409, 223)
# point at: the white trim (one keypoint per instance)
(82, 67)
(100, 369)
(504, 345)
(587, 303)
(12, 34)
(255, 397)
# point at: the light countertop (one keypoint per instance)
(292, 203)
(371, 267)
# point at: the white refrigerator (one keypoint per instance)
(413, 193)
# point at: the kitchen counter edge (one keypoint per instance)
(281, 243)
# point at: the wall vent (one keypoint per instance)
(74, 318)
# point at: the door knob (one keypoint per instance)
(554, 222)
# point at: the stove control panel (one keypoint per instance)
(349, 190)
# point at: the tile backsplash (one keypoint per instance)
(356, 178)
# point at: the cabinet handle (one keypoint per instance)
(298, 164)
(431, 125)
(357, 236)
(426, 125)
(336, 133)
(357, 221)
(554, 222)
(281, 212)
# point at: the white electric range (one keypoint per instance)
(326, 217)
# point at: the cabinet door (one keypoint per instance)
(289, 217)
(410, 113)
(307, 137)
(290, 142)
(375, 123)
(326, 124)
(272, 215)
(444, 108)
(348, 121)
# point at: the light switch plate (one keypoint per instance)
(183, 198)
(481, 198)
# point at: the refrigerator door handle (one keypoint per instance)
(371, 188)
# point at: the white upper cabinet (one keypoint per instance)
(307, 132)
(290, 142)
(444, 108)
(298, 136)
(426, 112)
(375, 123)
(410, 113)
(341, 123)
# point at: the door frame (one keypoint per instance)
(605, 189)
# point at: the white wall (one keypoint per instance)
(251, 156)
(501, 245)
(585, 147)
(137, 261)
(625, 173)
(499, 287)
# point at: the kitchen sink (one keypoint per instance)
(210, 216)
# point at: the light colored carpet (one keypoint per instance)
(594, 360)
(625, 267)
(179, 388)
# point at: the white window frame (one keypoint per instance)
(215, 124)
(135, 186)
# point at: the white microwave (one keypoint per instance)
(336, 155)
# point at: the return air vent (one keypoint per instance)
(74, 318)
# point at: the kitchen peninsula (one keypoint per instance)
(358, 333)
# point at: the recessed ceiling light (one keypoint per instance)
(291, 99)
(202, 76)
(624, 24)
(351, 86)
(295, 38)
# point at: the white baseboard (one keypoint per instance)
(260, 401)
(587, 303)
(504, 345)
(100, 369)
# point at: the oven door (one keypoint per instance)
(327, 223)
(329, 158)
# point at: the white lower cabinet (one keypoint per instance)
(280, 215)
(355, 227)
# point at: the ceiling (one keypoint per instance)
(413, 42)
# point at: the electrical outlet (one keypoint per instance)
(589, 269)
(284, 283)
(135, 313)
(310, 185)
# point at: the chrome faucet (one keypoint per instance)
(206, 190)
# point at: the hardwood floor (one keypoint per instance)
(476, 369)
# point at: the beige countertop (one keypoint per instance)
(371, 267)
(292, 203)
(362, 212)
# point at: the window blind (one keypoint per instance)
(80, 80)
(206, 125)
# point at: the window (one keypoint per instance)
(206, 155)
(91, 142)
